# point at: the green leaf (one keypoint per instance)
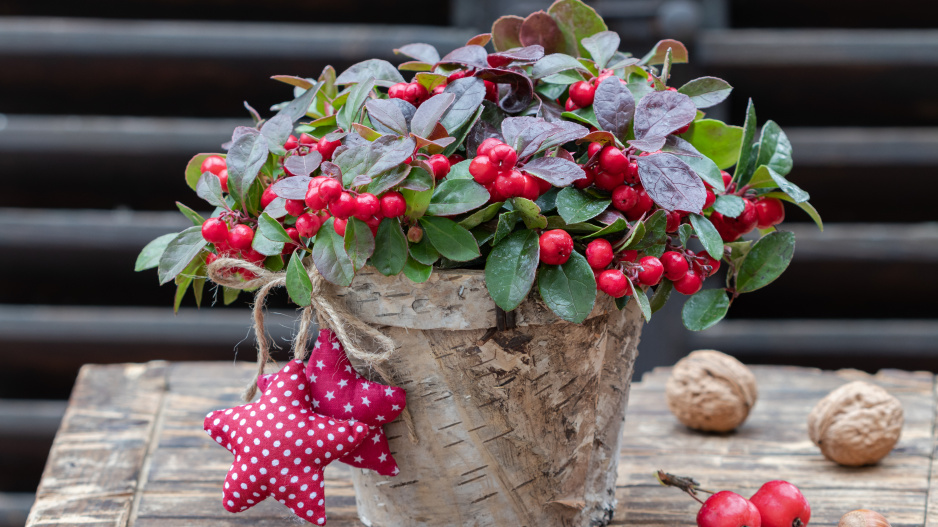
(272, 230)
(643, 303)
(555, 63)
(274, 263)
(635, 236)
(617, 226)
(777, 180)
(417, 202)
(184, 280)
(506, 224)
(658, 54)
(390, 248)
(330, 257)
(193, 216)
(246, 157)
(469, 93)
(805, 206)
(429, 113)
(266, 246)
(481, 216)
(359, 242)
(684, 232)
(707, 170)
(576, 206)
(569, 290)
(453, 242)
(548, 200)
(584, 115)
(716, 140)
(706, 91)
(388, 180)
(511, 267)
(383, 72)
(198, 286)
(194, 169)
(741, 174)
(349, 113)
(505, 32)
(774, 149)
(662, 293)
(708, 235)
(150, 256)
(576, 21)
(766, 261)
(704, 309)
(655, 231)
(455, 196)
(416, 271)
(424, 252)
(230, 295)
(729, 205)
(209, 189)
(463, 132)
(299, 286)
(418, 180)
(530, 213)
(179, 252)
(601, 47)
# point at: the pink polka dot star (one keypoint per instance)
(281, 447)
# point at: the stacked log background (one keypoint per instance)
(102, 105)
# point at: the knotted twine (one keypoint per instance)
(330, 311)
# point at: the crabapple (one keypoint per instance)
(313, 199)
(781, 504)
(728, 509)
(486, 146)
(631, 173)
(531, 189)
(483, 170)
(267, 196)
(295, 207)
(343, 206)
(608, 180)
(673, 221)
(611, 159)
(339, 225)
(366, 205)
(503, 156)
(582, 183)
(510, 184)
(326, 148)
(291, 143)
(440, 166)
(624, 197)
(329, 190)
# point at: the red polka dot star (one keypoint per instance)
(281, 447)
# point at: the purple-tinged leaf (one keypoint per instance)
(540, 29)
(246, 156)
(526, 54)
(209, 189)
(506, 32)
(179, 252)
(555, 63)
(277, 208)
(428, 114)
(677, 146)
(556, 171)
(384, 73)
(386, 116)
(243, 130)
(671, 183)
(299, 82)
(473, 56)
(610, 216)
(481, 131)
(254, 114)
(469, 93)
(622, 62)
(660, 113)
(294, 187)
(576, 21)
(361, 179)
(303, 165)
(520, 131)
(330, 169)
(422, 52)
(658, 53)
(549, 110)
(651, 144)
(388, 179)
(521, 91)
(706, 91)
(599, 136)
(479, 40)
(614, 107)
(602, 46)
(563, 154)
(560, 132)
(388, 152)
(277, 130)
(367, 133)
(299, 106)
(434, 146)
(351, 111)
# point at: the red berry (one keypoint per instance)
(531, 189)
(253, 256)
(306, 139)
(652, 270)
(240, 237)
(510, 184)
(223, 179)
(728, 509)
(295, 207)
(674, 221)
(326, 148)
(366, 206)
(727, 178)
(593, 149)
(781, 504)
(542, 185)
(210, 258)
(373, 223)
(483, 170)
(711, 197)
(613, 283)
(491, 91)
(440, 166)
(689, 284)
(307, 225)
(643, 206)
(611, 159)
(314, 199)
(703, 261)
(414, 234)
(214, 164)
(438, 90)
(330, 190)
(556, 246)
(343, 207)
(624, 197)
(631, 173)
(486, 147)
(339, 225)
(267, 196)
(291, 143)
(582, 93)
(769, 211)
(456, 75)
(627, 256)
(398, 91)
(455, 158)
(675, 265)
(503, 156)
(569, 106)
(393, 204)
(294, 234)
(608, 180)
(215, 230)
(415, 93)
(682, 130)
(745, 222)
(599, 253)
(587, 181)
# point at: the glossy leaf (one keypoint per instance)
(555, 63)
(359, 242)
(556, 171)
(655, 233)
(662, 293)
(424, 252)
(151, 253)
(774, 149)
(417, 202)
(602, 46)
(708, 235)
(456, 196)
(388, 179)
(184, 280)
(472, 56)
(702, 166)
(271, 229)
(418, 180)
(569, 290)
(266, 246)
(383, 72)
(511, 267)
(583, 115)
(296, 109)
(193, 216)
(659, 52)
(429, 114)
(451, 240)
(716, 140)
(350, 112)
(422, 52)
(619, 225)
(729, 205)
(804, 205)
(643, 304)
(526, 55)
(230, 295)
(576, 21)
(530, 213)
(390, 254)
(179, 252)
(387, 152)
(506, 32)
(416, 271)
(541, 30)
(706, 91)
(299, 286)
(766, 261)
(292, 187)
(246, 156)
(387, 116)
(330, 257)
(481, 216)
(576, 206)
(671, 183)
(469, 92)
(303, 165)
(660, 113)
(740, 174)
(797, 194)
(614, 107)
(704, 309)
(277, 208)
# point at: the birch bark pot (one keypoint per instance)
(515, 427)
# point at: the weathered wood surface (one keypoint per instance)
(131, 452)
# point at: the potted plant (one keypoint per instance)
(498, 226)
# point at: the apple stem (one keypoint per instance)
(686, 484)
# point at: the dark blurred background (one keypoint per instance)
(103, 103)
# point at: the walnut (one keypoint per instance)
(856, 424)
(711, 391)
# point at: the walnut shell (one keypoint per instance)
(711, 391)
(856, 424)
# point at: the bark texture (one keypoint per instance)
(519, 427)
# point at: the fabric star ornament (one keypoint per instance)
(339, 391)
(281, 446)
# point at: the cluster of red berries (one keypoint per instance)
(326, 197)
(612, 170)
(758, 212)
(776, 504)
(581, 93)
(237, 242)
(494, 168)
(412, 92)
(491, 89)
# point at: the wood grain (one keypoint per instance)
(131, 452)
